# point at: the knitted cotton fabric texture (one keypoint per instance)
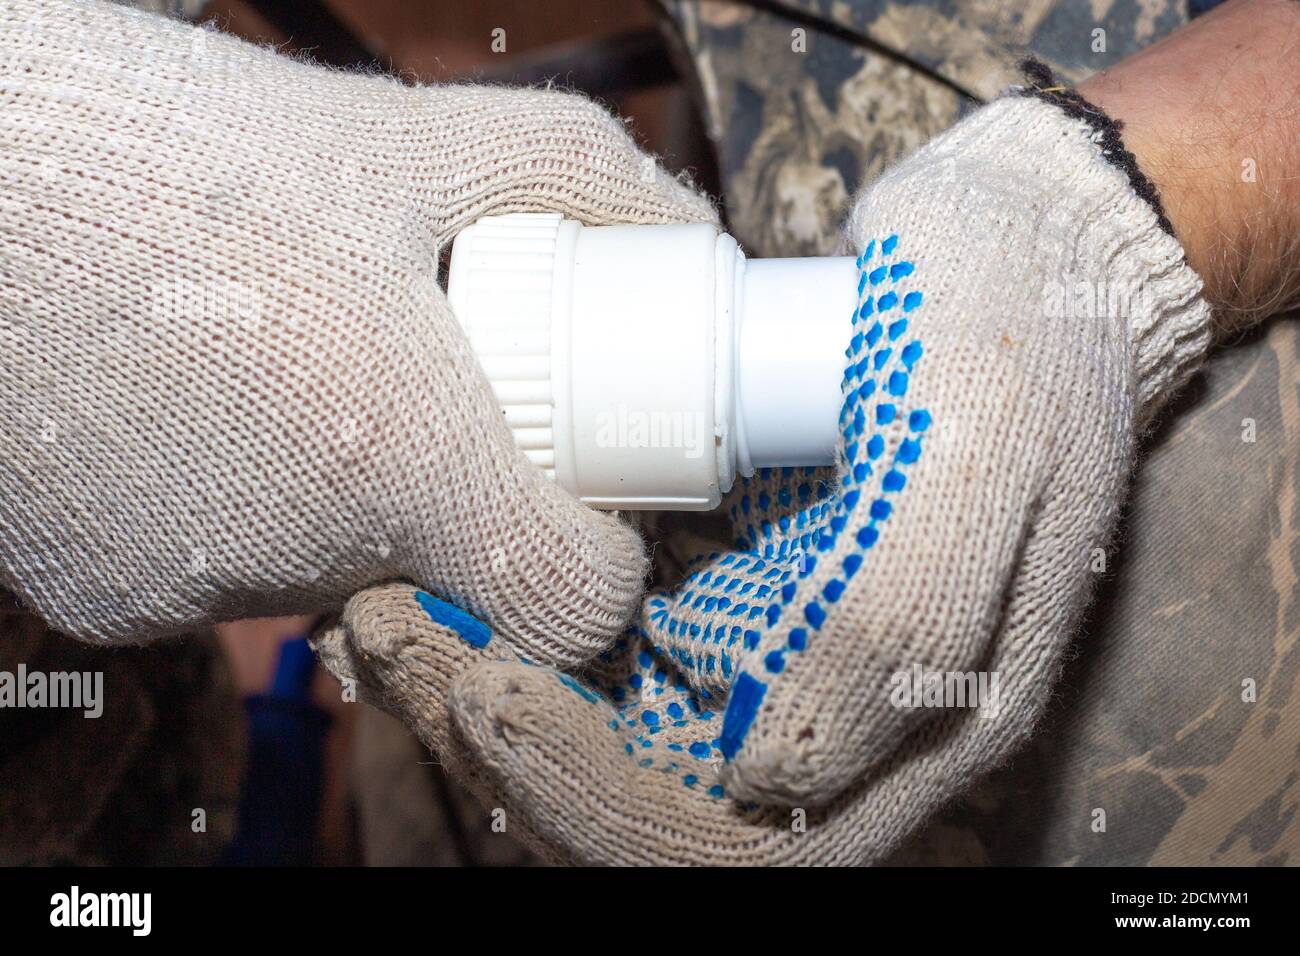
(1055, 315)
(1022, 315)
(230, 383)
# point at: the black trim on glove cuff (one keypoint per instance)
(1043, 84)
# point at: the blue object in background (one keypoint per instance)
(279, 808)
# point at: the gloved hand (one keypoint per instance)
(1023, 312)
(231, 385)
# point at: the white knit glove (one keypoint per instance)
(990, 410)
(230, 385)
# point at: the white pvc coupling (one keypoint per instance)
(643, 367)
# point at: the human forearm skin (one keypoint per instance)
(1212, 114)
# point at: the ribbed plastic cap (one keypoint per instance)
(506, 270)
(603, 347)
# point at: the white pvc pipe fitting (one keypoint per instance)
(644, 367)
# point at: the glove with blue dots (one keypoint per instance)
(1022, 312)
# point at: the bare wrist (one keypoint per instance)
(1210, 114)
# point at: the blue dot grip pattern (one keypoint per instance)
(789, 519)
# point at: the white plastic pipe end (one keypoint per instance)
(644, 367)
(795, 321)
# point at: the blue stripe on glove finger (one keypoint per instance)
(470, 629)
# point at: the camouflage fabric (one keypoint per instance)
(1179, 717)
(1149, 753)
(808, 100)
(973, 44)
